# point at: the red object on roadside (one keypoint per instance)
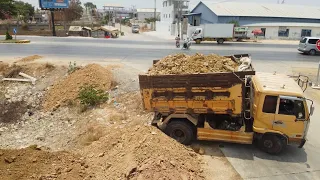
(107, 37)
(318, 45)
(257, 31)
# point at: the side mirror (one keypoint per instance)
(311, 110)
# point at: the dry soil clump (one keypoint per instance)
(142, 152)
(33, 163)
(67, 90)
(198, 63)
(30, 58)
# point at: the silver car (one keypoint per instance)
(308, 45)
(135, 29)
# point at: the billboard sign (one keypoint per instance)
(53, 4)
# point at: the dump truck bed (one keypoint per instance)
(218, 93)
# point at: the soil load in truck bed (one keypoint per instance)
(194, 64)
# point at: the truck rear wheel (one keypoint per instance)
(181, 131)
(272, 144)
(220, 41)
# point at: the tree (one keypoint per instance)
(236, 23)
(90, 5)
(150, 20)
(7, 9)
(24, 10)
(74, 12)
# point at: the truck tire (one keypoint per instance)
(220, 41)
(198, 41)
(272, 144)
(181, 131)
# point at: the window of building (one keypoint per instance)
(305, 32)
(270, 104)
(283, 32)
(313, 41)
(169, 15)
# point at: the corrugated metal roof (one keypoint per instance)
(285, 24)
(149, 10)
(264, 10)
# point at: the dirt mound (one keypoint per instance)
(12, 112)
(142, 152)
(3, 67)
(67, 90)
(198, 63)
(33, 163)
(30, 58)
(32, 69)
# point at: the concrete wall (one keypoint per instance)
(294, 32)
(30, 26)
(143, 15)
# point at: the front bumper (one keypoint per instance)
(302, 50)
(303, 142)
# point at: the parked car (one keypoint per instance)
(135, 28)
(308, 45)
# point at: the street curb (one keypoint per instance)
(16, 42)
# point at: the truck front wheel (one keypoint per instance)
(181, 131)
(272, 144)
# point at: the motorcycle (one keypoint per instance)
(186, 44)
(177, 42)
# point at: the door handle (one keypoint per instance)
(278, 122)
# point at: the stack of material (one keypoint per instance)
(68, 89)
(198, 63)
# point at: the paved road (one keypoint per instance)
(140, 50)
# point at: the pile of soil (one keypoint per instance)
(141, 152)
(3, 67)
(198, 63)
(30, 58)
(67, 90)
(33, 163)
(32, 69)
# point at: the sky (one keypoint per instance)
(150, 3)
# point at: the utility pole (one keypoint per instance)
(53, 26)
(155, 15)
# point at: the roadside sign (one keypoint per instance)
(53, 4)
(14, 31)
(318, 45)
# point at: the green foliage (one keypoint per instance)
(7, 9)
(236, 23)
(8, 36)
(90, 96)
(24, 10)
(74, 12)
(72, 67)
(149, 20)
(90, 5)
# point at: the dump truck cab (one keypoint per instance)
(279, 110)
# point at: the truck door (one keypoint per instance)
(290, 117)
(267, 115)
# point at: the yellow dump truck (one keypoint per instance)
(237, 107)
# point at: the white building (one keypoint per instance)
(171, 10)
(277, 21)
(146, 13)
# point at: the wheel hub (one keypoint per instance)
(268, 144)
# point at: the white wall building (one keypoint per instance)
(169, 16)
(142, 14)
